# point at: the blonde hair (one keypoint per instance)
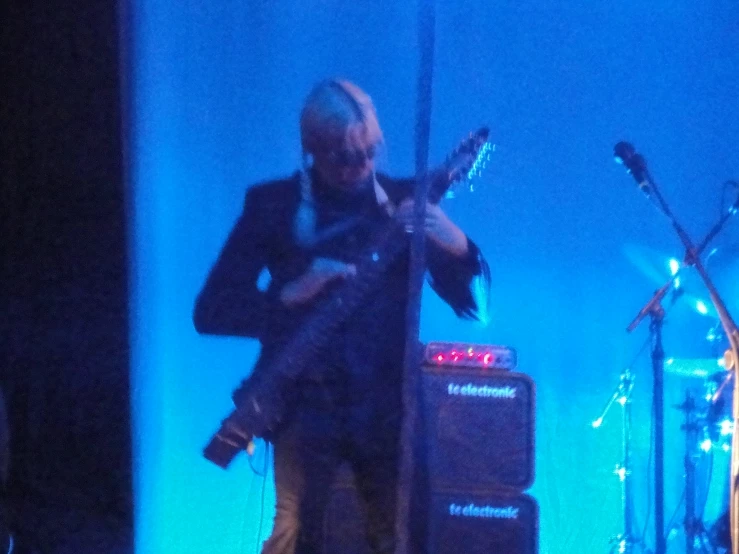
(330, 109)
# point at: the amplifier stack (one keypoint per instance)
(478, 420)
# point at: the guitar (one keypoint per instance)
(260, 404)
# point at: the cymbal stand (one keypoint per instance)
(696, 536)
(625, 542)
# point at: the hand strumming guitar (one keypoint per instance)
(321, 272)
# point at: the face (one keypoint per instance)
(347, 164)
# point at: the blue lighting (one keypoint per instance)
(701, 307)
(215, 93)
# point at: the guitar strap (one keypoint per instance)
(304, 225)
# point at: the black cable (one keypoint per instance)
(651, 447)
(708, 485)
(253, 469)
(674, 514)
(649, 472)
(264, 488)
(641, 351)
(651, 440)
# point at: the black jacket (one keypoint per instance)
(371, 344)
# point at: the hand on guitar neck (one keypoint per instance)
(439, 228)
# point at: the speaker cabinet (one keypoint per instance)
(469, 523)
(479, 428)
(478, 433)
(483, 524)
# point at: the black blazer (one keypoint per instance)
(233, 303)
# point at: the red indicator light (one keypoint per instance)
(461, 355)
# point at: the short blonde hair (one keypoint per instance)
(330, 109)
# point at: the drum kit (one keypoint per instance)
(707, 399)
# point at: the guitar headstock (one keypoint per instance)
(465, 163)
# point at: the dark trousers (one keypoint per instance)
(308, 452)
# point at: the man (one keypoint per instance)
(308, 231)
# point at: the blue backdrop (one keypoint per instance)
(215, 91)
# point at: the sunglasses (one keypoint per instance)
(352, 158)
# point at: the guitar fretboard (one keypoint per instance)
(317, 332)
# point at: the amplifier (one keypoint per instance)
(478, 428)
(471, 523)
(464, 354)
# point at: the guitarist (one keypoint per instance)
(307, 230)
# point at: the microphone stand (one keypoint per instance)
(638, 168)
(654, 309)
(692, 257)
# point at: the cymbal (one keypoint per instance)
(656, 266)
(721, 264)
(701, 368)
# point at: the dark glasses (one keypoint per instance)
(352, 158)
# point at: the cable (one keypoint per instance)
(649, 474)
(674, 514)
(651, 441)
(708, 485)
(264, 488)
(253, 469)
(639, 353)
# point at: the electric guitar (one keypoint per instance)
(260, 403)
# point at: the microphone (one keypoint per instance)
(624, 153)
